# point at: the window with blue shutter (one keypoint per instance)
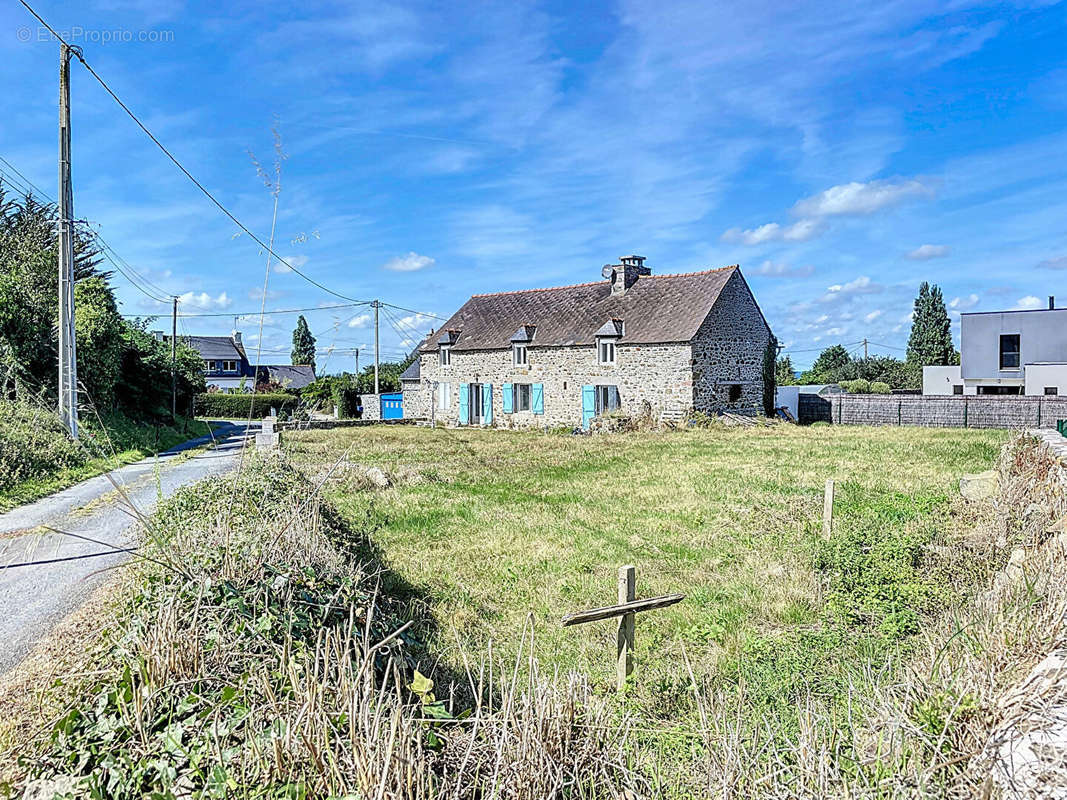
(487, 404)
(537, 404)
(505, 397)
(588, 405)
(464, 404)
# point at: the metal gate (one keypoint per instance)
(393, 405)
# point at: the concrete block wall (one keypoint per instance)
(948, 412)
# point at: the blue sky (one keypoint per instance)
(840, 152)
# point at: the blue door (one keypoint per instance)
(588, 405)
(393, 406)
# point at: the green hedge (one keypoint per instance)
(235, 406)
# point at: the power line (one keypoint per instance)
(257, 313)
(180, 166)
(413, 311)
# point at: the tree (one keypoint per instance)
(770, 354)
(784, 374)
(98, 334)
(832, 365)
(930, 342)
(303, 343)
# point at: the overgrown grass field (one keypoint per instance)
(493, 528)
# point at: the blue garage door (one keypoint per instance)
(393, 406)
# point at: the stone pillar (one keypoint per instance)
(269, 437)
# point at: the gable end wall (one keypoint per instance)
(728, 348)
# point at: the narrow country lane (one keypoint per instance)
(45, 575)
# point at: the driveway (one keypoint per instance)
(45, 575)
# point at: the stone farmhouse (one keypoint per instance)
(634, 343)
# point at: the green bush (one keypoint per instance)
(880, 387)
(33, 442)
(237, 406)
(858, 386)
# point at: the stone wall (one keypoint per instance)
(948, 412)
(372, 406)
(418, 399)
(659, 375)
(729, 349)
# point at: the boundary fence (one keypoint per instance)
(946, 412)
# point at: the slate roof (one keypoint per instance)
(655, 309)
(413, 372)
(291, 376)
(214, 347)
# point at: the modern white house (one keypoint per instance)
(1007, 353)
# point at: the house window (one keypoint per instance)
(444, 396)
(1001, 390)
(229, 366)
(520, 396)
(1009, 351)
(957, 388)
(519, 355)
(445, 356)
(606, 351)
(607, 399)
(1052, 391)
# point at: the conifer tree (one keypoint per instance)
(930, 342)
(303, 344)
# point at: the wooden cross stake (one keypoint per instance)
(626, 610)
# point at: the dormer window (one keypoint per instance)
(605, 351)
(445, 355)
(520, 356)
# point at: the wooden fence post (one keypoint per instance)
(828, 510)
(625, 652)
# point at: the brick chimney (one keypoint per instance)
(625, 274)
(236, 336)
(1051, 302)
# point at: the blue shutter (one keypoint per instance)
(588, 405)
(506, 397)
(537, 398)
(464, 403)
(487, 404)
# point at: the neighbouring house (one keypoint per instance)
(1006, 353)
(635, 343)
(227, 368)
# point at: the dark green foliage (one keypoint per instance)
(835, 365)
(770, 355)
(930, 342)
(784, 373)
(143, 385)
(242, 406)
(33, 442)
(99, 328)
(830, 367)
(303, 343)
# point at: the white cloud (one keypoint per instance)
(858, 286)
(773, 232)
(409, 263)
(963, 303)
(1028, 302)
(360, 321)
(873, 315)
(1054, 263)
(296, 261)
(927, 251)
(191, 301)
(777, 269)
(859, 198)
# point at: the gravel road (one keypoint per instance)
(44, 575)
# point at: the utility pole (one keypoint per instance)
(357, 363)
(377, 304)
(864, 349)
(68, 364)
(174, 360)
